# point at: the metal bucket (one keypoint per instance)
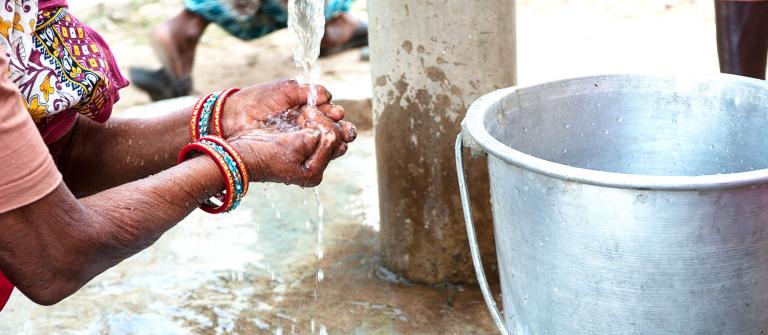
(626, 204)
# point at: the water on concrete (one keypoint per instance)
(250, 272)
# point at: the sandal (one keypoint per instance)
(159, 84)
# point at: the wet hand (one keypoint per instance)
(254, 106)
(294, 146)
(335, 135)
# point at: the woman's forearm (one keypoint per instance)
(96, 157)
(54, 246)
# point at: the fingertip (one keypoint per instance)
(337, 112)
(348, 131)
(342, 150)
(322, 94)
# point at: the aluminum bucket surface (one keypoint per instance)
(628, 204)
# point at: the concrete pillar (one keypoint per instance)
(430, 60)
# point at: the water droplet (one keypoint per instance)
(320, 275)
(567, 126)
(620, 120)
(565, 151)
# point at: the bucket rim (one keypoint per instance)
(473, 126)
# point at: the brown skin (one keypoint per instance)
(131, 191)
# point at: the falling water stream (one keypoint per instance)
(306, 22)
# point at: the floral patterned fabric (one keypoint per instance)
(61, 66)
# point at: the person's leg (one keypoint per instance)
(742, 36)
(342, 30)
(176, 41)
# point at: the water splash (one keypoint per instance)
(285, 121)
(268, 189)
(320, 225)
(306, 22)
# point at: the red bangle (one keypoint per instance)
(194, 132)
(226, 197)
(218, 128)
(235, 155)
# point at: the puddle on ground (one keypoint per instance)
(249, 272)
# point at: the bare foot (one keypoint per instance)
(342, 29)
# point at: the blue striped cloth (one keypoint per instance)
(252, 19)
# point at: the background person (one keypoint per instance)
(176, 40)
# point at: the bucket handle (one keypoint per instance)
(473, 247)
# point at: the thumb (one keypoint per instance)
(305, 141)
(323, 155)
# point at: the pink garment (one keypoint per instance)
(73, 72)
(45, 4)
(6, 288)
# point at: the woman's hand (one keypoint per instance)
(294, 147)
(254, 106)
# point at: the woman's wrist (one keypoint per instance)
(207, 180)
(231, 166)
(211, 115)
(255, 173)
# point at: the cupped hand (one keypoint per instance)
(294, 146)
(253, 107)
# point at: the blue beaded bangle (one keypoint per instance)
(232, 167)
(205, 114)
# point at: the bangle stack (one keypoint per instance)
(209, 108)
(231, 166)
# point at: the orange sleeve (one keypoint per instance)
(27, 171)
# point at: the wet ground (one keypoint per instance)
(255, 271)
